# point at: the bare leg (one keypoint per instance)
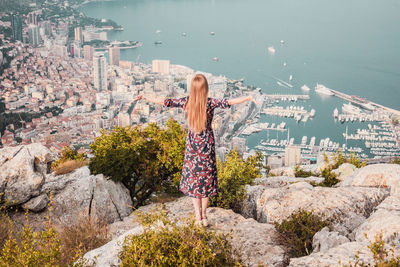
(204, 204)
(197, 208)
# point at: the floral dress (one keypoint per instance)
(199, 172)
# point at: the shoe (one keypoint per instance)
(205, 222)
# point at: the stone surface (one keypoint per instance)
(22, 171)
(344, 171)
(325, 240)
(348, 207)
(376, 175)
(38, 203)
(385, 220)
(280, 181)
(255, 242)
(337, 256)
(284, 171)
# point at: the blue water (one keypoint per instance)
(349, 46)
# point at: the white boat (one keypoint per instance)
(290, 77)
(312, 141)
(335, 113)
(212, 33)
(312, 113)
(321, 89)
(284, 64)
(282, 42)
(183, 33)
(305, 88)
(215, 59)
(158, 31)
(350, 109)
(271, 50)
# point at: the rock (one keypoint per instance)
(336, 256)
(255, 242)
(348, 207)
(344, 171)
(385, 220)
(324, 240)
(284, 171)
(376, 175)
(38, 203)
(22, 171)
(280, 181)
(248, 208)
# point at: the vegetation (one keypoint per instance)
(296, 232)
(396, 160)
(298, 172)
(69, 161)
(382, 257)
(48, 247)
(145, 160)
(176, 245)
(233, 175)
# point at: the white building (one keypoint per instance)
(292, 156)
(160, 66)
(114, 53)
(100, 72)
(88, 52)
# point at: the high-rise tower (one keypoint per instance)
(16, 24)
(100, 72)
(114, 55)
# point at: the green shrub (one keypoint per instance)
(145, 160)
(298, 172)
(176, 245)
(396, 160)
(233, 175)
(68, 154)
(382, 256)
(296, 232)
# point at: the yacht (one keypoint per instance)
(312, 113)
(215, 59)
(290, 77)
(305, 88)
(184, 34)
(284, 64)
(351, 109)
(158, 31)
(157, 42)
(282, 42)
(321, 89)
(212, 33)
(335, 113)
(271, 50)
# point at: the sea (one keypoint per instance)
(349, 46)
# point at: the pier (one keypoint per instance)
(295, 97)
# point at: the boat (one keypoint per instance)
(271, 50)
(212, 33)
(158, 31)
(335, 113)
(157, 42)
(321, 89)
(350, 109)
(215, 59)
(282, 42)
(284, 64)
(312, 113)
(290, 77)
(183, 33)
(305, 88)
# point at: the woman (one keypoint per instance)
(199, 173)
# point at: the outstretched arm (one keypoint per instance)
(240, 100)
(159, 101)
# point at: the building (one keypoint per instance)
(76, 49)
(114, 53)
(34, 35)
(292, 156)
(275, 161)
(239, 144)
(78, 34)
(100, 72)
(160, 66)
(47, 28)
(88, 52)
(16, 24)
(32, 18)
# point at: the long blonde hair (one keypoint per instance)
(196, 106)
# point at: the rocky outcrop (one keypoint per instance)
(376, 175)
(22, 172)
(255, 242)
(348, 207)
(344, 171)
(25, 180)
(324, 240)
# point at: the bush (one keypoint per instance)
(396, 160)
(145, 160)
(69, 166)
(87, 234)
(296, 233)
(381, 255)
(298, 172)
(69, 159)
(173, 245)
(233, 175)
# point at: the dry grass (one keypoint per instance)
(69, 166)
(4, 229)
(85, 235)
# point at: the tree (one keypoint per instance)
(145, 160)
